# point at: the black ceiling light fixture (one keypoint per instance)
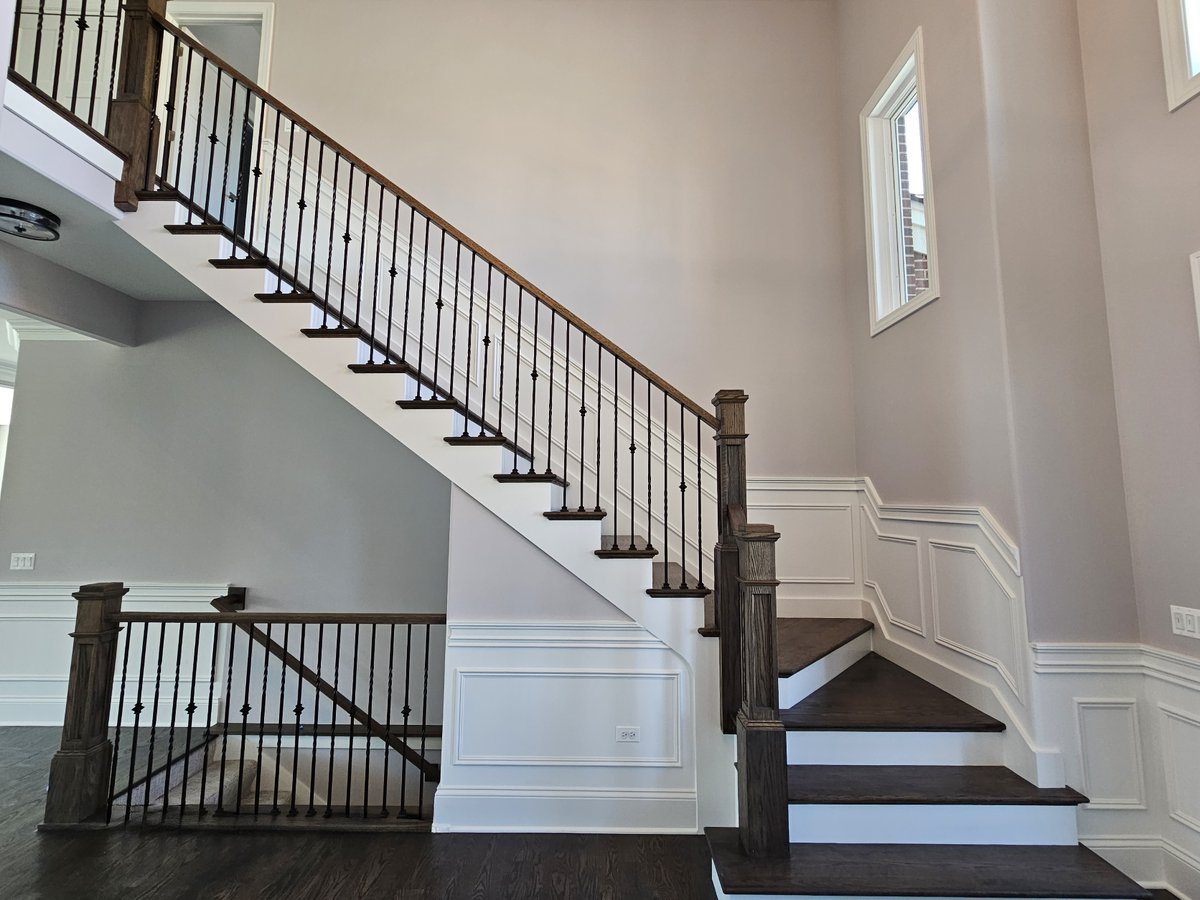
(25, 220)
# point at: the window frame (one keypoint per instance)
(887, 288)
(1182, 84)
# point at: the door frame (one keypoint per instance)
(186, 13)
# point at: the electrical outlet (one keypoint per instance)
(1185, 621)
(628, 734)
(21, 561)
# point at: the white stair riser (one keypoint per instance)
(795, 688)
(894, 748)
(931, 824)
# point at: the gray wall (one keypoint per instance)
(1147, 184)
(205, 455)
(664, 169)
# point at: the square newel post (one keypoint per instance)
(761, 741)
(131, 119)
(79, 770)
(731, 509)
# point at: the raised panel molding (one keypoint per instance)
(1181, 751)
(817, 543)
(1000, 621)
(1110, 750)
(873, 576)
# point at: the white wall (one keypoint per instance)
(204, 455)
(663, 169)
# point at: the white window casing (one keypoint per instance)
(888, 284)
(1179, 23)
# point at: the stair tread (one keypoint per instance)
(920, 870)
(943, 785)
(877, 695)
(618, 547)
(803, 642)
(673, 574)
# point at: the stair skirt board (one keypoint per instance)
(796, 687)
(819, 823)
(895, 748)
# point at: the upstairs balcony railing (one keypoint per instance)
(571, 408)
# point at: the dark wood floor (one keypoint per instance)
(128, 865)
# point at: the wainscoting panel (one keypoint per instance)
(532, 730)
(1110, 753)
(36, 620)
(894, 560)
(1181, 748)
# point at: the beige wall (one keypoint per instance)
(666, 169)
(1147, 183)
(205, 455)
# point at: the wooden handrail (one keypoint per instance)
(248, 83)
(240, 618)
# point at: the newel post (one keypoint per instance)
(731, 508)
(761, 740)
(131, 120)
(79, 770)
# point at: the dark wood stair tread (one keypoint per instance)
(477, 440)
(942, 785)
(877, 695)
(378, 368)
(288, 297)
(921, 870)
(196, 228)
(575, 515)
(530, 478)
(150, 194)
(342, 331)
(673, 575)
(241, 262)
(427, 403)
(622, 546)
(804, 641)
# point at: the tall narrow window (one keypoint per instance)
(1179, 21)
(901, 253)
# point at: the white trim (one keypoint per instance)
(1142, 856)
(569, 810)
(1182, 84)
(186, 13)
(561, 635)
(1195, 260)
(70, 137)
(1128, 703)
(1117, 659)
(1175, 769)
(885, 258)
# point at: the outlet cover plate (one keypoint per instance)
(628, 734)
(21, 562)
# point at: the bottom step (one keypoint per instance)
(906, 870)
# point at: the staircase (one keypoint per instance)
(894, 790)
(855, 778)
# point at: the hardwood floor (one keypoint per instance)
(131, 865)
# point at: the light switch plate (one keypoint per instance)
(1185, 621)
(21, 561)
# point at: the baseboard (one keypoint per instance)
(1153, 862)
(565, 810)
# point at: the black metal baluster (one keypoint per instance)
(112, 778)
(337, 160)
(632, 468)
(153, 121)
(278, 720)
(408, 278)
(566, 412)
(301, 205)
(533, 377)
(616, 441)
(112, 72)
(82, 25)
(220, 217)
(254, 210)
(437, 339)
(213, 140)
(387, 748)
(362, 252)
(96, 65)
(202, 809)
(266, 244)
(370, 711)
(405, 711)
(470, 346)
(666, 500)
(520, 327)
(287, 194)
(37, 43)
(298, 709)
(683, 576)
(550, 399)
(392, 273)
(650, 474)
(62, 28)
(582, 414)
(190, 709)
(699, 510)
(225, 717)
(162, 640)
(424, 725)
(487, 343)
(316, 219)
(375, 281)
(137, 721)
(346, 239)
(262, 719)
(424, 293)
(353, 703)
(312, 770)
(168, 135)
(187, 85)
(12, 58)
(454, 320)
(171, 733)
(245, 711)
(599, 418)
(503, 353)
(337, 669)
(191, 197)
